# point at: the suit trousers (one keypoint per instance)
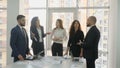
(57, 49)
(16, 59)
(38, 47)
(90, 63)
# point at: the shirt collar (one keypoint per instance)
(20, 26)
(92, 26)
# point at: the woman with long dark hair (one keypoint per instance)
(75, 36)
(37, 34)
(58, 35)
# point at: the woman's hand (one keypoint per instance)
(56, 39)
(80, 42)
(66, 53)
(33, 35)
(81, 54)
(29, 54)
(48, 33)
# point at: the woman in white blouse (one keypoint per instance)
(58, 35)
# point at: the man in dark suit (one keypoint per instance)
(90, 44)
(19, 40)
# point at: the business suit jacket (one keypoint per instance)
(36, 44)
(90, 44)
(75, 38)
(34, 30)
(19, 42)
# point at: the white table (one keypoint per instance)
(49, 62)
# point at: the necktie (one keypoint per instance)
(24, 33)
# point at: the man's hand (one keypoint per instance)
(20, 57)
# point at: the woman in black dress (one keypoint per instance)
(37, 34)
(75, 36)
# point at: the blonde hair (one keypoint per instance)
(61, 24)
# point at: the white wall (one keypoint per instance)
(112, 34)
(118, 37)
(12, 12)
(13, 9)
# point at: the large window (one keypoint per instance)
(62, 3)
(68, 10)
(0, 32)
(93, 3)
(3, 24)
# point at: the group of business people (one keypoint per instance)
(78, 46)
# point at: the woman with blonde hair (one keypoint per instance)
(58, 35)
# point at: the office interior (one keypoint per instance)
(106, 12)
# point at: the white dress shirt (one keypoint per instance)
(59, 33)
(22, 29)
(40, 34)
(89, 28)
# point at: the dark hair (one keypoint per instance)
(20, 17)
(72, 29)
(93, 18)
(33, 22)
(61, 24)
